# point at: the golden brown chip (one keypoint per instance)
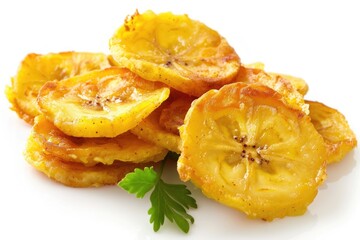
(90, 151)
(276, 82)
(173, 113)
(76, 174)
(176, 50)
(36, 69)
(298, 83)
(247, 148)
(102, 103)
(334, 128)
(162, 126)
(150, 130)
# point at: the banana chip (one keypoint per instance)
(334, 128)
(248, 149)
(176, 50)
(249, 141)
(102, 103)
(298, 83)
(76, 174)
(172, 116)
(150, 130)
(36, 69)
(90, 151)
(162, 126)
(276, 82)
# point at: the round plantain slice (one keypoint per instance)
(102, 103)
(183, 53)
(90, 151)
(277, 83)
(37, 69)
(173, 114)
(298, 83)
(162, 126)
(332, 125)
(76, 174)
(246, 148)
(150, 130)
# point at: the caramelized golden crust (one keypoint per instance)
(276, 82)
(335, 130)
(103, 103)
(36, 69)
(162, 126)
(76, 174)
(11, 96)
(245, 147)
(150, 130)
(298, 84)
(173, 114)
(90, 151)
(176, 50)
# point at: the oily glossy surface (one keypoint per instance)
(176, 50)
(75, 174)
(37, 69)
(334, 128)
(314, 40)
(103, 103)
(152, 131)
(244, 147)
(90, 151)
(276, 82)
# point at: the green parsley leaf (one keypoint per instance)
(167, 200)
(170, 200)
(139, 182)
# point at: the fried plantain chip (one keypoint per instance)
(277, 83)
(36, 69)
(76, 174)
(247, 148)
(150, 130)
(90, 151)
(173, 114)
(102, 103)
(298, 83)
(176, 50)
(162, 126)
(334, 128)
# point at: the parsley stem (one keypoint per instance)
(161, 168)
(169, 201)
(169, 155)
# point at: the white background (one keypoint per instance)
(316, 40)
